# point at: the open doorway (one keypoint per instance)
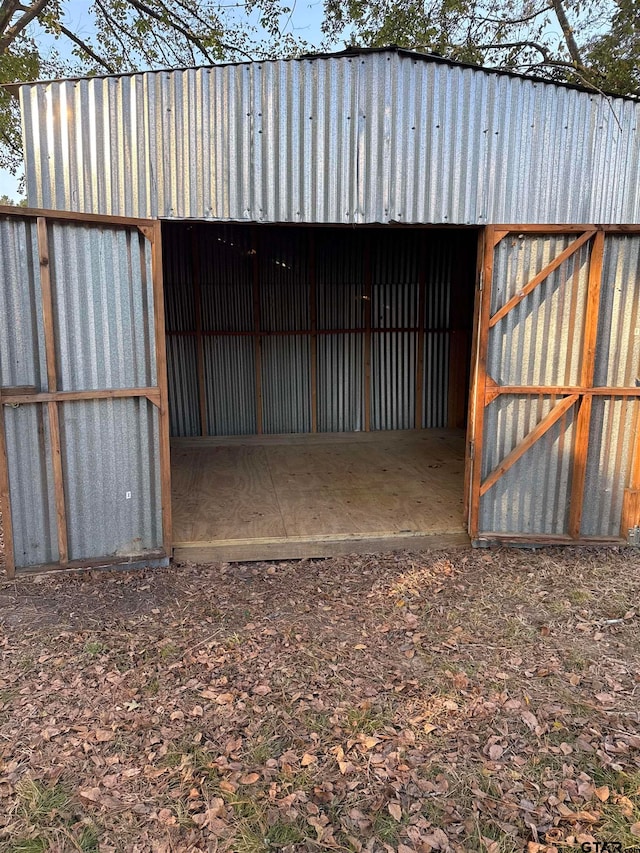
(318, 386)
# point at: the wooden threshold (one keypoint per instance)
(301, 547)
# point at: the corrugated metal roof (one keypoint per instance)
(417, 54)
(372, 137)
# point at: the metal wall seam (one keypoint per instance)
(378, 137)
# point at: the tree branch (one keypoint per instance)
(13, 32)
(187, 33)
(7, 10)
(572, 45)
(86, 48)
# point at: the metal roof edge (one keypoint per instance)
(347, 53)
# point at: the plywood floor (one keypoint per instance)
(278, 495)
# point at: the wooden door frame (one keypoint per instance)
(52, 397)
(483, 388)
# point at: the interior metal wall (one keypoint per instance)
(285, 313)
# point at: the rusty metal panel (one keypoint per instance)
(409, 138)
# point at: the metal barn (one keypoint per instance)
(353, 302)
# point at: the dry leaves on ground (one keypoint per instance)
(433, 702)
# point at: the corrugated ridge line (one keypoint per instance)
(407, 141)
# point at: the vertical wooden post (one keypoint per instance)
(197, 300)
(468, 462)
(480, 380)
(52, 383)
(313, 343)
(5, 500)
(256, 329)
(367, 333)
(422, 302)
(161, 370)
(587, 372)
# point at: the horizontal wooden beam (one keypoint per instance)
(544, 273)
(152, 394)
(18, 390)
(71, 216)
(522, 228)
(528, 441)
(97, 563)
(493, 390)
(249, 333)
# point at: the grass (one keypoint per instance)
(368, 721)
(386, 828)
(29, 845)
(40, 805)
(93, 648)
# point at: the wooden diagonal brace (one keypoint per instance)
(540, 277)
(528, 441)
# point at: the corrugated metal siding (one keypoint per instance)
(538, 342)
(108, 449)
(33, 513)
(104, 317)
(532, 497)
(103, 311)
(371, 138)
(615, 420)
(340, 304)
(229, 365)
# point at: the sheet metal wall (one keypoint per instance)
(538, 343)
(103, 316)
(288, 267)
(378, 137)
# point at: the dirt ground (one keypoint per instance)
(453, 701)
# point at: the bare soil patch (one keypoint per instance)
(453, 701)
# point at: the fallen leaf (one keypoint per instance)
(634, 829)
(92, 795)
(395, 810)
(530, 720)
(104, 735)
(167, 817)
(602, 793)
(249, 779)
(308, 759)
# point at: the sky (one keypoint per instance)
(304, 22)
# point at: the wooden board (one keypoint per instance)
(323, 488)
(307, 547)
